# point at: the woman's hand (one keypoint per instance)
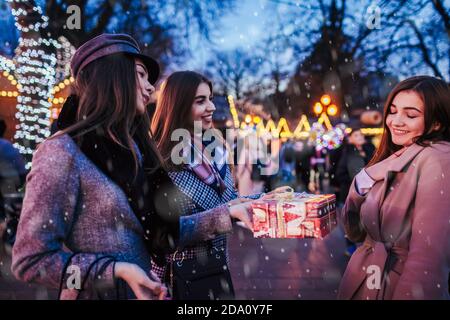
(243, 212)
(274, 192)
(238, 201)
(281, 189)
(143, 287)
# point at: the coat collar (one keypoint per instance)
(405, 157)
(411, 152)
(378, 194)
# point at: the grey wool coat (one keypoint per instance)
(75, 216)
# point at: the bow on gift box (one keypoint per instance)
(283, 200)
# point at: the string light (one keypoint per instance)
(323, 132)
(39, 63)
(8, 66)
(34, 73)
(332, 110)
(325, 99)
(318, 108)
(233, 111)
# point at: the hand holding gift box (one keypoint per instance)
(294, 215)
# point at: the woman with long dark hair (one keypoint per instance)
(196, 264)
(82, 227)
(398, 206)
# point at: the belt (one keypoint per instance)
(381, 252)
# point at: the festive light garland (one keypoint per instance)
(233, 111)
(7, 66)
(34, 68)
(36, 75)
(21, 12)
(58, 101)
(322, 132)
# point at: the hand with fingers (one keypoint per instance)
(163, 295)
(272, 194)
(143, 287)
(238, 201)
(242, 211)
(281, 189)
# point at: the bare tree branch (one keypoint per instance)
(424, 50)
(439, 6)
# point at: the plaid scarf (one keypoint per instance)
(207, 170)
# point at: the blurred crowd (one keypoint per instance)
(307, 168)
(12, 179)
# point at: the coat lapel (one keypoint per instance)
(399, 165)
(406, 157)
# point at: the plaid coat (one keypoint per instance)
(206, 220)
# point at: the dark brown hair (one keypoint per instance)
(106, 92)
(435, 94)
(173, 110)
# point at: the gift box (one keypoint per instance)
(294, 215)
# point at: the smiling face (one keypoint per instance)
(145, 90)
(203, 108)
(406, 118)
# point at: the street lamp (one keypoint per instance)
(325, 105)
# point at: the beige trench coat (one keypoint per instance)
(404, 221)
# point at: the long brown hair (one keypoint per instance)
(435, 94)
(173, 110)
(106, 93)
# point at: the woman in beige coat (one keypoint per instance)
(399, 205)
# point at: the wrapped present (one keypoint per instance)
(294, 215)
